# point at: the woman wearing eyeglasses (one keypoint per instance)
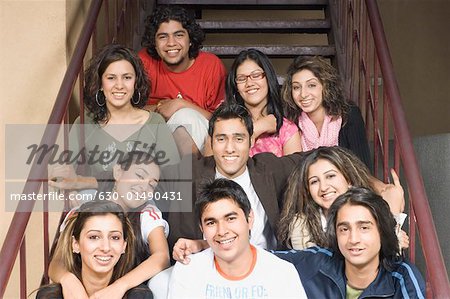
(252, 82)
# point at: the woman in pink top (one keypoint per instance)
(252, 82)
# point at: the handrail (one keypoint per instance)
(431, 249)
(15, 237)
(369, 75)
(347, 37)
(19, 222)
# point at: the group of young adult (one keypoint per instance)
(266, 168)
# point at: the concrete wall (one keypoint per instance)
(419, 40)
(33, 60)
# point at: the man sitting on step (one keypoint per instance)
(187, 84)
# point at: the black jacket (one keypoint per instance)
(268, 175)
(323, 276)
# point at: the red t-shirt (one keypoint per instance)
(203, 83)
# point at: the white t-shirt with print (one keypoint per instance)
(271, 277)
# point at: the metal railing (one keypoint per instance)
(121, 21)
(364, 61)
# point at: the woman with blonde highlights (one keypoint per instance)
(96, 246)
(315, 100)
(326, 173)
(132, 186)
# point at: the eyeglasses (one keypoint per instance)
(256, 75)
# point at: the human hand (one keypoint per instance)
(403, 239)
(185, 247)
(62, 177)
(393, 194)
(168, 107)
(113, 291)
(207, 149)
(150, 108)
(72, 287)
(265, 124)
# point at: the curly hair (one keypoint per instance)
(380, 211)
(334, 100)
(298, 200)
(274, 103)
(166, 13)
(93, 80)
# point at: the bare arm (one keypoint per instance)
(184, 247)
(293, 145)
(207, 150)
(266, 124)
(71, 285)
(393, 194)
(151, 108)
(65, 177)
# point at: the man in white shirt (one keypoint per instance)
(231, 267)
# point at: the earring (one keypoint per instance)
(139, 99)
(97, 101)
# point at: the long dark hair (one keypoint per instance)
(274, 103)
(379, 209)
(166, 13)
(72, 261)
(334, 100)
(93, 80)
(298, 200)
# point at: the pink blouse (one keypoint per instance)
(273, 143)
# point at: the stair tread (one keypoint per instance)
(239, 25)
(272, 50)
(244, 2)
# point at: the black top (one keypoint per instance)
(353, 136)
(54, 291)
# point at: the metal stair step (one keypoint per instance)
(291, 26)
(272, 50)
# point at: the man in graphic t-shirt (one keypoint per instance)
(231, 267)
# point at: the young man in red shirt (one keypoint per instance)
(187, 84)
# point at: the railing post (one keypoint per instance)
(18, 225)
(433, 255)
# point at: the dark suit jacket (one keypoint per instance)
(268, 175)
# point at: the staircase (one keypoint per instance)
(347, 32)
(281, 29)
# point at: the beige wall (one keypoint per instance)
(33, 60)
(419, 40)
